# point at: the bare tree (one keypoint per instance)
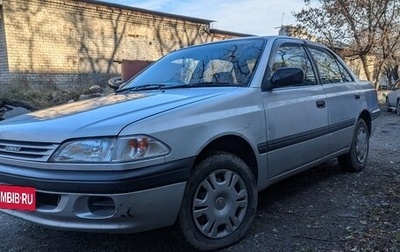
(368, 30)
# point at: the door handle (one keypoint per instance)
(357, 96)
(321, 104)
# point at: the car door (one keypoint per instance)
(343, 97)
(296, 116)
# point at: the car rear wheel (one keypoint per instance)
(389, 109)
(398, 107)
(220, 202)
(355, 160)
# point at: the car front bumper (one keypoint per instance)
(121, 213)
(126, 202)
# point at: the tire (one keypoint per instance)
(398, 107)
(388, 109)
(355, 160)
(219, 204)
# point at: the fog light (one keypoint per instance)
(101, 206)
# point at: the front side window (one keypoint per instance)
(291, 55)
(330, 69)
(225, 63)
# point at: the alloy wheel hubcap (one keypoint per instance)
(361, 145)
(220, 204)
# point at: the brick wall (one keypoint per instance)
(64, 42)
(3, 52)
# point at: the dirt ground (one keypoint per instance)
(323, 209)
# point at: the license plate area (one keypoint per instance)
(17, 198)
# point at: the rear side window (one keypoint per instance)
(330, 69)
(292, 55)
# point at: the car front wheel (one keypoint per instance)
(355, 160)
(220, 202)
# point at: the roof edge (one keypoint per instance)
(125, 7)
(231, 33)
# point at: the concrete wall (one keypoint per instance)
(65, 42)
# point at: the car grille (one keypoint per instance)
(26, 150)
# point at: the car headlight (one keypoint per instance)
(104, 150)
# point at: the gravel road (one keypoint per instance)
(323, 209)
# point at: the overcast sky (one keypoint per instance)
(258, 17)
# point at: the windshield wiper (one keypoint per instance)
(143, 87)
(203, 84)
(165, 86)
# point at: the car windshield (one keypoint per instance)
(229, 63)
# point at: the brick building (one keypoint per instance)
(65, 42)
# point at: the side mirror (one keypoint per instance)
(287, 76)
(115, 82)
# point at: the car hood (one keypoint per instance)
(104, 116)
